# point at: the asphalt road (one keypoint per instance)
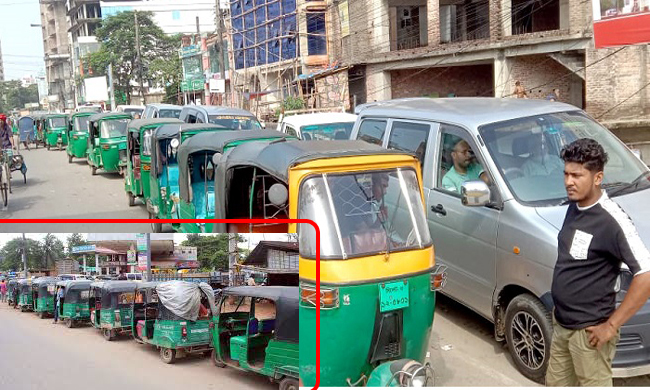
(57, 189)
(36, 354)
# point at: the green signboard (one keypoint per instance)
(142, 241)
(192, 85)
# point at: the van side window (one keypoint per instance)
(409, 137)
(191, 118)
(200, 119)
(372, 131)
(458, 162)
(290, 131)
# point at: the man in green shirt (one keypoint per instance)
(464, 169)
(14, 127)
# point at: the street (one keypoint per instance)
(37, 354)
(57, 189)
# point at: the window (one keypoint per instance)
(191, 118)
(316, 38)
(176, 15)
(290, 131)
(372, 131)
(409, 137)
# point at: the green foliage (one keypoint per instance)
(167, 71)
(212, 250)
(14, 96)
(53, 249)
(118, 46)
(12, 255)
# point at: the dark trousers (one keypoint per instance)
(56, 312)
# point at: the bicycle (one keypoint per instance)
(5, 177)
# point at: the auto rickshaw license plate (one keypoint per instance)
(393, 295)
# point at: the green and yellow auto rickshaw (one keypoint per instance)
(377, 269)
(55, 130)
(163, 200)
(25, 302)
(12, 288)
(174, 316)
(256, 329)
(74, 307)
(196, 172)
(138, 156)
(77, 135)
(111, 306)
(43, 295)
(107, 142)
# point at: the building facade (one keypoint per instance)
(56, 46)
(83, 18)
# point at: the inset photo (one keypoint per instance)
(197, 310)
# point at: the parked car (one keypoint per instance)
(133, 276)
(320, 126)
(128, 109)
(231, 118)
(73, 277)
(500, 243)
(159, 110)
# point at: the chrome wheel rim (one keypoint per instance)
(528, 340)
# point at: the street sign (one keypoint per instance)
(142, 241)
(142, 260)
(83, 248)
(217, 86)
(130, 257)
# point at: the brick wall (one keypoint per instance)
(615, 80)
(539, 74)
(475, 80)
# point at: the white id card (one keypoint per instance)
(580, 245)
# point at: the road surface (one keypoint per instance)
(37, 354)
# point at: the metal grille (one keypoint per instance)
(353, 195)
(630, 341)
(392, 350)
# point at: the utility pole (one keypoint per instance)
(221, 59)
(148, 257)
(232, 257)
(24, 256)
(110, 82)
(137, 47)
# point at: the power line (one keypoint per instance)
(623, 101)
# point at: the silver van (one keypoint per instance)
(499, 240)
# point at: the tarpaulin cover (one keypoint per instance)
(184, 298)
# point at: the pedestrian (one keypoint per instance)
(3, 291)
(597, 237)
(554, 96)
(520, 91)
(5, 133)
(57, 302)
(16, 132)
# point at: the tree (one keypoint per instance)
(77, 239)
(53, 249)
(118, 46)
(212, 250)
(11, 253)
(14, 96)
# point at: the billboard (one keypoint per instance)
(621, 22)
(96, 89)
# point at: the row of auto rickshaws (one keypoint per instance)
(249, 328)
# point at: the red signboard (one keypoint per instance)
(621, 22)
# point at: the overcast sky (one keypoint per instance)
(22, 45)
(252, 239)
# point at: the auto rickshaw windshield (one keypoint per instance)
(235, 122)
(81, 123)
(58, 122)
(114, 128)
(363, 213)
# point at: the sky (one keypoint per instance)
(252, 239)
(22, 45)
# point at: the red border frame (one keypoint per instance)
(135, 221)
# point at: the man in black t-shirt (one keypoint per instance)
(597, 237)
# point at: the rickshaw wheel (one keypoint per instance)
(69, 159)
(288, 384)
(131, 199)
(168, 355)
(93, 170)
(5, 196)
(22, 309)
(69, 323)
(48, 147)
(41, 314)
(215, 361)
(108, 334)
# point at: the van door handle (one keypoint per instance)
(439, 209)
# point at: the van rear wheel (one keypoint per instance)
(168, 355)
(289, 384)
(529, 329)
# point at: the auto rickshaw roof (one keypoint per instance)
(45, 280)
(137, 124)
(81, 114)
(25, 282)
(286, 306)
(114, 286)
(110, 115)
(75, 284)
(48, 116)
(172, 130)
(147, 285)
(277, 158)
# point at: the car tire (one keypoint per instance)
(289, 384)
(529, 329)
(168, 355)
(215, 361)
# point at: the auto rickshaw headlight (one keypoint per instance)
(438, 277)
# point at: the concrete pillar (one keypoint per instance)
(379, 24)
(433, 22)
(564, 14)
(506, 17)
(496, 21)
(501, 77)
(378, 84)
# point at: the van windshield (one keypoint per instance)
(169, 114)
(235, 122)
(364, 213)
(327, 131)
(527, 154)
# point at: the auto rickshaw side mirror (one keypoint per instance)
(475, 193)
(216, 158)
(278, 194)
(174, 144)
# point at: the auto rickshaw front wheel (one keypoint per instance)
(48, 146)
(216, 361)
(131, 199)
(109, 335)
(69, 159)
(69, 323)
(168, 355)
(289, 384)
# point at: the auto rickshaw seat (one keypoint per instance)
(253, 326)
(267, 326)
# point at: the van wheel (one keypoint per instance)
(69, 322)
(168, 355)
(289, 384)
(529, 329)
(131, 199)
(108, 334)
(216, 361)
